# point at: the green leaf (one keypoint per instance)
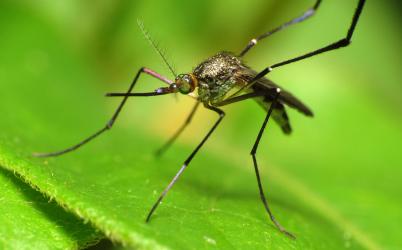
(30, 221)
(326, 183)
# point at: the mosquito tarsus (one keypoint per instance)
(221, 80)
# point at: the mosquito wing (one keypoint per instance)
(268, 86)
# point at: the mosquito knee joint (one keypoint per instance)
(344, 42)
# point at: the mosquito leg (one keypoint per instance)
(110, 123)
(311, 11)
(344, 42)
(187, 161)
(161, 150)
(253, 154)
(240, 98)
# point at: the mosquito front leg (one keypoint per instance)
(110, 123)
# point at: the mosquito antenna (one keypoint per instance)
(155, 46)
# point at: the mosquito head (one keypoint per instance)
(185, 83)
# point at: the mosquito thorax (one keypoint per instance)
(186, 83)
(217, 75)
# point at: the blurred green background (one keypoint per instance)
(348, 155)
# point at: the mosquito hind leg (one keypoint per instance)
(310, 12)
(344, 42)
(110, 123)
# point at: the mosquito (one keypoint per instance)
(221, 80)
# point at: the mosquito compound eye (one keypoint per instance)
(185, 84)
(185, 88)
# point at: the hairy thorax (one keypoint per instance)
(217, 76)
